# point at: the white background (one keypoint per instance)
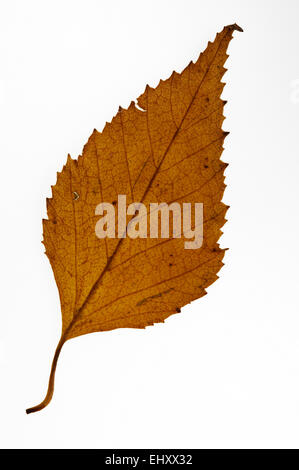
(223, 373)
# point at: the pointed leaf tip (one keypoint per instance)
(235, 27)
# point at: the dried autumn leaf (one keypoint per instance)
(169, 150)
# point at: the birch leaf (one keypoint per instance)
(164, 148)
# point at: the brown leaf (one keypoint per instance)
(169, 150)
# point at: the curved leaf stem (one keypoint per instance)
(50, 390)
